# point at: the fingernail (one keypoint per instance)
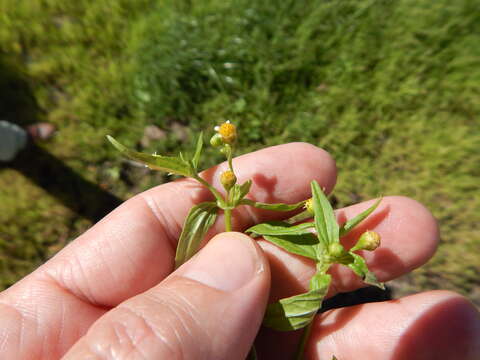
(228, 262)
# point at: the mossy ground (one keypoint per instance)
(390, 88)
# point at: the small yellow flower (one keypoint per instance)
(309, 206)
(369, 240)
(228, 179)
(228, 131)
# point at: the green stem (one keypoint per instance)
(304, 215)
(214, 191)
(228, 219)
(303, 341)
(252, 355)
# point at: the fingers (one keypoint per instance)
(210, 308)
(433, 325)
(409, 238)
(133, 248)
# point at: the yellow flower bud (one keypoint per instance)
(336, 250)
(216, 140)
(309, 206)
(228, 132)
(228, 179)
(369, 240)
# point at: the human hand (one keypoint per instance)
(111, 293)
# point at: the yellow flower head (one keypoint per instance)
(228, 132)
(369, 240)
(309, 206)
(228, 179)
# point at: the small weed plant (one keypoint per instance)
(318, 240)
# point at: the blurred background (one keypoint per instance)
(390, 88)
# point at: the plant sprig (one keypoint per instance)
(203, 216)
(320, 241)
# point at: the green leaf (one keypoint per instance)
(350, 224)
(238, 192)
(198, 152)
(200, 218)
(304, 245)
(281, 228)
(252, 354)
(359, 266)
(170, 164)
(275, 207)
(325, 221)
(297, 311)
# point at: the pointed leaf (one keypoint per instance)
(198, 152)
(325, 221)
(297, 311)
(350, 224)
(303, 245)
(281, 228)
(200, 218)
(169, 164)
(359, 266)
(275, 207)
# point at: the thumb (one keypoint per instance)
(209, 308)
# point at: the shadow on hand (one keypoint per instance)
(18, 105)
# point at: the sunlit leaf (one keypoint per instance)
(170, 164)
(350, 224)
(304, 245)
(275, 207)
(198, 151)
(281, 228)
(359, 266)
(200, 218)
(325, 221)
(297, 311)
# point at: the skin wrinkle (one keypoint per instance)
(61, 332)
(129, 336)
(12, 308)
(107, 264)
(63, 274)
(179, 308)
(159, 215)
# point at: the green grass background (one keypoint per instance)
(390, 88)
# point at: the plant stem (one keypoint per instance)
(299, 217)
(303, 341)
(214, 191)
(228, 219)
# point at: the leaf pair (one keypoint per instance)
(298, 311)
(197, 223)
(324, 248)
